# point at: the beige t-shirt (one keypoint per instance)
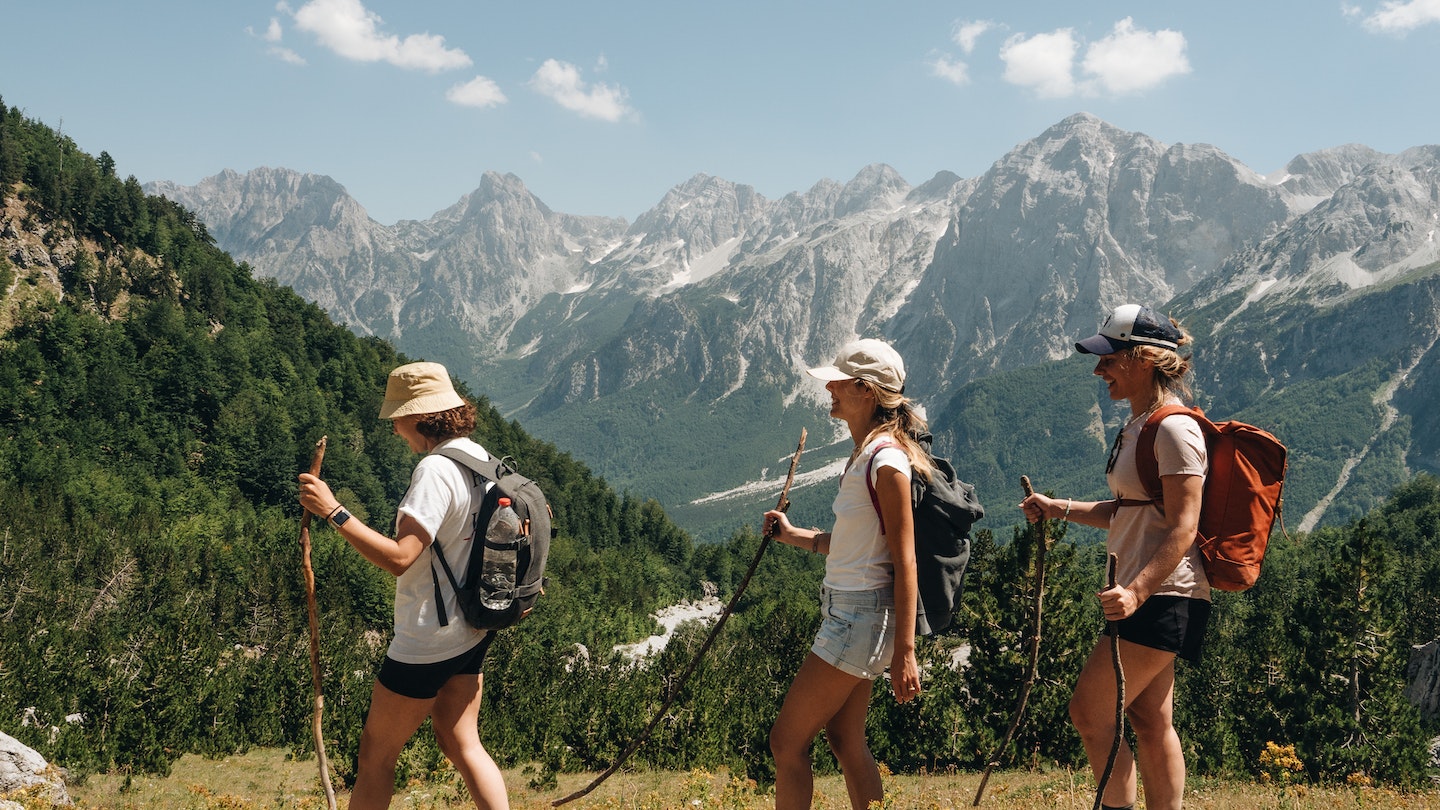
(1136, 532)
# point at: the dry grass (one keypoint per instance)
(268, 780)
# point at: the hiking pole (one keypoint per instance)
(1043, 546)
(315, 633)
(781, 506)
(1119, 694)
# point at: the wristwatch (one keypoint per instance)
(338, 517)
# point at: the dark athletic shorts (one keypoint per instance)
(1170, 623)
(423, 681)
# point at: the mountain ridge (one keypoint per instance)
(618, 338)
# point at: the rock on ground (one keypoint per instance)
(22, 768)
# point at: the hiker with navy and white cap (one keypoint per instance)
(432, 667)
(1160, 603)
(868, 600)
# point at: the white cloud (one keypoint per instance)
(561, 82)
(966, 33)
(1131, 60)
(286, 55)
(1128, 60)
(1043, 62)
(951, 70)
(352, 31)
(1395, 17)
(273, 34)
(478, 92)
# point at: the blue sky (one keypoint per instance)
(600, 108)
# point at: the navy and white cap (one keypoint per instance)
(1128, 326)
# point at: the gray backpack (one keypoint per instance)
(944, 509)
(532, 548)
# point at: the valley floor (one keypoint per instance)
(269, 780)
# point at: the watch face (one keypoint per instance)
(340, 517)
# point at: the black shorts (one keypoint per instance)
(423, 681)
(1170, 623)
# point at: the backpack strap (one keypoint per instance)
(870, 485)
(439, 595)
(1146, 462)
(490, 469)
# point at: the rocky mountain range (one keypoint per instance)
(668, 353)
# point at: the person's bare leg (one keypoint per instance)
(846, 735)
(1092, 710)
(1157, 744)
(818, 692)
(456, 719)
(391, 721)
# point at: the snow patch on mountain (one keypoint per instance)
(750, 489)
(707, 265)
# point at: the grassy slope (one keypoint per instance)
(269, 780)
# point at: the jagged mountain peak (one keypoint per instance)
(1062, 228)
(1314, 176)
(876, 184)
(269, 209)
(496, 191)
(710, 203)
(229, 193)
(716, 299)
(941, 186)
(1077, 122)
(498, 187)
(1377, 227)
(1421, 157)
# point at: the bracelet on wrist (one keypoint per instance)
(1066, 516)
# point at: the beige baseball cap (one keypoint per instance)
(866, 359)
(416, 388)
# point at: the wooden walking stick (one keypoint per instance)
(1119, 694)
(315, 633)
(1038, 610)
(781, 506)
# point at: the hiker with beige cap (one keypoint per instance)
(868, 598)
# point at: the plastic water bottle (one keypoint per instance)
(497, 575)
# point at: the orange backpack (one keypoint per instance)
(1242, 496)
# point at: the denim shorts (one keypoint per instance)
(857, 631)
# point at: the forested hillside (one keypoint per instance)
(156, 404)
(157, 401)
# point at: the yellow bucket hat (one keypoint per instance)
(418, 388)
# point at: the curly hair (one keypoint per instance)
(449, 424)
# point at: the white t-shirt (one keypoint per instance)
(1136, 531)
(859, 558)
(444, 500)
